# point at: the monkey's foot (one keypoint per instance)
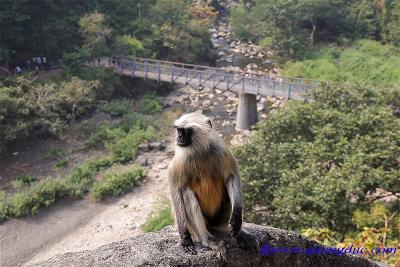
(247, 241)
(188, 246)
(220, 249)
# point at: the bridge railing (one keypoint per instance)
(253, 83)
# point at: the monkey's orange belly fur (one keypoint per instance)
(210, 192)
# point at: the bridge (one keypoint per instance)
(248, 86)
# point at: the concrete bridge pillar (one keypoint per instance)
(247, 111)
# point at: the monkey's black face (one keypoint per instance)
(184, 136)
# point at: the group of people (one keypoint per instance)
(37, 63)
(32, 64)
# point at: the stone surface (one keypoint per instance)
(163, 249)
(144, 147)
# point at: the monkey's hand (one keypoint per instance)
(247, 241)
(188, 246)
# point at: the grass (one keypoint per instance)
(116, 183)
(364, 62)
(159, 219)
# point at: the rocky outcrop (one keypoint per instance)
(162, 249)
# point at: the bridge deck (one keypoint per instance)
(196, 75)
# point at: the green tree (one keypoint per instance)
(95, 33)
(293, 27)
(313, 164)
(129, 46)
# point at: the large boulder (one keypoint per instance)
(162, 249)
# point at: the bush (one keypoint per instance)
(135, 120)
(115, 184)
(118, 107)
(26, 179)
(22, 181)
(45, 192)
(3, 206)
(105, 135)
(42, 194)
(159, 219)
(126, 148)
(149, 104)
(313, 164)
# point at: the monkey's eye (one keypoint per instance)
(180, 130)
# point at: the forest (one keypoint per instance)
(328, 168)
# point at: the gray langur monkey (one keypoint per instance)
(205, 184)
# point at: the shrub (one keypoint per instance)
(106, 135)
(126, 148)
(45, 192)
(149, 104)
(115, 184)
(22, 181)
(26, 179)
(135, 120)
(118, 107)
(3, 206)
(42, 194)
(159, 219)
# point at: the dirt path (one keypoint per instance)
(75, 226)
(119, 220)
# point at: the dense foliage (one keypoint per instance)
(366, 62)
(377, 227)
(31, 108)
(313, 164)
(43, 109)
(291, 27)
(176, 29)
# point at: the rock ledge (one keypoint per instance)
(162, 249)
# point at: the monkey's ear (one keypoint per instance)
(209, 123)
